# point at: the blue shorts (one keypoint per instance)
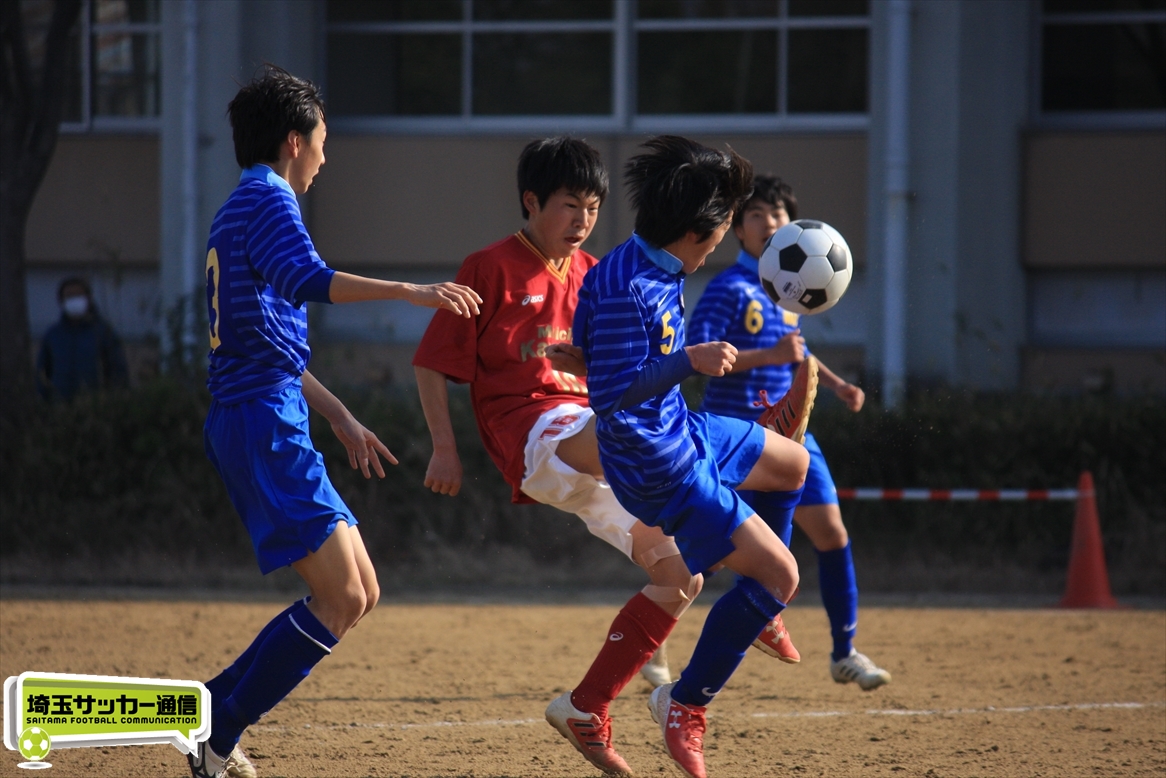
(702, 511)
(274, 475)
(820, 490)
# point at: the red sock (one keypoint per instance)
(636, 633)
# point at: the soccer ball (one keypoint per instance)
(34, 744)
(806, 267)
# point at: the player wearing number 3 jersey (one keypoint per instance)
(261, 269)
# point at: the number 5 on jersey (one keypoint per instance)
(667, 335)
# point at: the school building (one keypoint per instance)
(997, 166)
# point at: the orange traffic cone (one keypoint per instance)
(1088, 581)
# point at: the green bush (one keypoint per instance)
(118, 485)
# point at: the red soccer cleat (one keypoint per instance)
(590, 735)
(683, 727)
(775, 641)
(790, 415)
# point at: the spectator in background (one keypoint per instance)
(81, 351)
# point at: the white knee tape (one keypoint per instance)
(666, 593)
(661, 550)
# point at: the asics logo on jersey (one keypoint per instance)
(533, 298)
(615, 636)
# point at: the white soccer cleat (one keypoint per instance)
(857, 668)
(656, 672)
(205, 763)
(238, 765)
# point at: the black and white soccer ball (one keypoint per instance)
(806, 267)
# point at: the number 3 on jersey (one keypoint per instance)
(213, 275)
(667, 335)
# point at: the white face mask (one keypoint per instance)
(75, 307)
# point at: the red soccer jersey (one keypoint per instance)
(526, 305)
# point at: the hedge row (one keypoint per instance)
(118, 484)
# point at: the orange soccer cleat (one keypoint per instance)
(790, 415)
(590, 735)
(775, 641)
(683, 727)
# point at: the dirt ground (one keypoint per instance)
(459, 690)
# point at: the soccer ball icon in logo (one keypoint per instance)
(806, 267)
(34, 744)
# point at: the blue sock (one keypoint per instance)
(223, 684)
(840, 596)
(295, 642)
(733, 623)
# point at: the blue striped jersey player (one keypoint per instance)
(261, 270)
(670, 467)
(735, 308)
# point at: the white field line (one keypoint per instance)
(783, 715)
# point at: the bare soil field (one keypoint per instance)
(459, 690)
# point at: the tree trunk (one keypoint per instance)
(30, 116)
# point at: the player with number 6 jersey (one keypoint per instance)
(770, 347)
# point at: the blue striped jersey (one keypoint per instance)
(260, 265)
(734, 308)
(630, 314)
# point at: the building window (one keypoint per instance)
(1103, 56)
(114, 74)
(595, 64)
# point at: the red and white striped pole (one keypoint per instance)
(1087, 582)
(958, 495)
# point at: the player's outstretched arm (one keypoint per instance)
(848, 393)
(349, 288)
(444, 474)
(363, 446)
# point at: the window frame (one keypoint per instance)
(624, 28)
(109, 124)
(1146, 119)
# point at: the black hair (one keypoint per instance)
(770, 189)
(548, 165)
(267, 109)
(680, 186)
(74, 281)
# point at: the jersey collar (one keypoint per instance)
(266, 175)
(558, 272)
(748, 261)
(659, 257)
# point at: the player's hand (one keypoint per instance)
(363, 446)
(567, 358)
(713, 359)
(448, 296)
(851, 395)
(444, 474)
(791, 348)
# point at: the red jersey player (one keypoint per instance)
(535, 421)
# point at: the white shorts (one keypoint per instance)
(551, 481)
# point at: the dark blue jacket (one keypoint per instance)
(78, 354)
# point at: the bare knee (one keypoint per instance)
(340, 610)
(372, 595)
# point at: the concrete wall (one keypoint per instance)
(1095, 200)
(427, 202)
(98, 203)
